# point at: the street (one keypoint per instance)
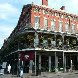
(46, 75)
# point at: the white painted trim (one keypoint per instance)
(60, 20)
(70, 51)
(36, 16)
(53, 20)
(50, 50)
(45, 18)
(73, 24)
(66, 22)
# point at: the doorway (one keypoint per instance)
(44, 63)
(26, 67)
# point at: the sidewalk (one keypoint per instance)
(43, 75)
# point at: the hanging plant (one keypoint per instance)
(49, 38)
(67, 41)
(74, 41)
(41, 38)
(30, 37)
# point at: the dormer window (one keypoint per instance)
(36, 10)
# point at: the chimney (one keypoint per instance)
(62, 8)
(45, 2)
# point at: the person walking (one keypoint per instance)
(9, 68)
(21, 72)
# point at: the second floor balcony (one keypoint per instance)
(51, 43)
(44, 41)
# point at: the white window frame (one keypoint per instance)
(53, 24)
(73, 28)
(66, 28)
(45, 26)
(60, 26)
(35, 24)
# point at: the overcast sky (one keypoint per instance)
(10, 11)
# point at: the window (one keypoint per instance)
(60, 26)
(36, 10)
(45, 23)
(52, 25)
(67, 27)
(73, 28)
(37, 22)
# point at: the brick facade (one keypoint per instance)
(54, 15)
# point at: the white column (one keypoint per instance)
(49, 63)
(35, 63)
(56, 63)
(65, 63)
(31, 65)
(40, 62)
(71, 65)
(36, 40)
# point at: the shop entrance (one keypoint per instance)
(72, 62)
(26, 67)
(44, 63)
(60, 63)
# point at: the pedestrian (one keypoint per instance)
(21, 72)
(9, 68)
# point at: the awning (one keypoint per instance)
(26, 55)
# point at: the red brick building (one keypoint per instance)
(45, 39)
(44, 13)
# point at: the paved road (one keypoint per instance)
(46, 75)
